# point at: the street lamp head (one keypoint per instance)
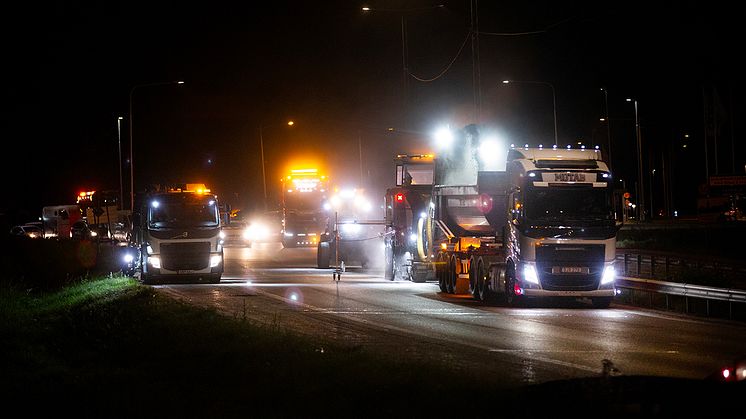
(366, 9)
(179, 81)
(629, 99)
(506, 81)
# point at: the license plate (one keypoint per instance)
(569, 270)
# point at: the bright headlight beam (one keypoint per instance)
(443, 138)
(529, 274)
(609, 275)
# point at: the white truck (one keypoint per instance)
(543, 227)
(178, 235)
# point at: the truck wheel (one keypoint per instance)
(601, 302)
(511, 298)
(323, 255)
(146, 279)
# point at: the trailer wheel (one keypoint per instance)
(323, 255)
(473, 287)
(441, 272)
(452, 277)
(482, 290)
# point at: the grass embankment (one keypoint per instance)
(111, 347)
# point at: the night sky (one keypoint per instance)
(337, 72)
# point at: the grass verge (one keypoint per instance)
(115, 348)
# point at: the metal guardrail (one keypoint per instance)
(640, 285)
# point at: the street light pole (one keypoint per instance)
(264, 176)
(640, 181)
(261, 148)
(132, 163)
(554, 100)
(119, 140)
(608, 123)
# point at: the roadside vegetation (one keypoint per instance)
(111, 347)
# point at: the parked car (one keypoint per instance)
(27, 230)
(81, 231)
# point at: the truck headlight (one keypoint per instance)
(215, 260)
(609, 275)
(128, 258)
(529, 274)
(155, 262)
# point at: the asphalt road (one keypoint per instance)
(280, 288)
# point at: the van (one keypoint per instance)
(57, 220)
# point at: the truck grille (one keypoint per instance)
(550, 259)
(185, 256)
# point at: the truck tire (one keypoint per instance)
(601, 302)
(323, 255)
(146, 279)
(511, 299)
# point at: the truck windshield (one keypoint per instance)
(568, 203)
(304, 201)
(183, 210)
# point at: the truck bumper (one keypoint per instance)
(528, 292)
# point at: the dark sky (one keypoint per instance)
(337, 72)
